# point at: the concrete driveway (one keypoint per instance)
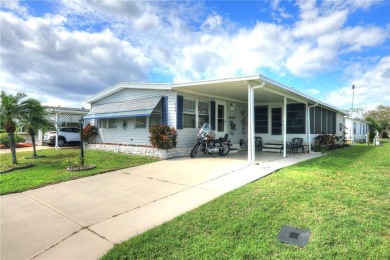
(84, 218)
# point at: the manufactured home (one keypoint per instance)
(357, 130)
(244, 107)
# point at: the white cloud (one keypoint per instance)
(126, 40)
(58, 62)
(372, 88)
(316, 26)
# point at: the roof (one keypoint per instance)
(233, 89)
(357, 119)
(67, 110)
(130, 108)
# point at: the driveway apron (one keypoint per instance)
(84, 218)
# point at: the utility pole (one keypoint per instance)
(353, 96)
(353, 123)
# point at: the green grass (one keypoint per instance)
(343, 198)
(52, 168)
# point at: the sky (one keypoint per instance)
(64, 51)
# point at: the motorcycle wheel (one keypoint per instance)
(224, 150)
(194, 150)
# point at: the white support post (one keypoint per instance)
(250, 155)
(251, 124)
(252, 127)
(308, 124)
(284, 126)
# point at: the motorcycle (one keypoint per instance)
(208, 144)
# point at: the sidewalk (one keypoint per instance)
(84, 218)
(25, 149)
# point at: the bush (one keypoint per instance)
(89, 133)
(328, 142)
(4, 139)
(162, 136)
(326, 139)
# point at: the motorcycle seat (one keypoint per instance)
(222, 139)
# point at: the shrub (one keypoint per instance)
(328, 139)
(162, 136)
(89, 133)
(4, 139)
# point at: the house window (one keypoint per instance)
(189, 113)
(296, 119)
(261, 120)
(324, 113)
(276, 121)
(318, 120)
(112, 123)
(203, 113)
(140, 122)
(156, 116)
(323, 121)
(334, 123)
(354, 128)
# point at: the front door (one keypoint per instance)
(221, 118)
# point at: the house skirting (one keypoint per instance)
(141, 150)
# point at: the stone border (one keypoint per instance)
(79, 168)
(35, 157)
(18, 168)
(142, 150)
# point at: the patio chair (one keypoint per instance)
(296, 145)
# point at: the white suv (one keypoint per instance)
(65, 135)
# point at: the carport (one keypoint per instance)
(253, 90)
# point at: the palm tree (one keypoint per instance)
(34, 119)
(13, 110)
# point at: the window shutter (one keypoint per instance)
(164, 110)
(212, 116)
(179, 112)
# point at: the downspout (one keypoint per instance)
(308, 126)
(251, 125)
(284, 126)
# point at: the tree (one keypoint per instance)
(15, 109)
(34, 119)
(380, 117)
(11, 110)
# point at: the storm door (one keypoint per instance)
(221, 118)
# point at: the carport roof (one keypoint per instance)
(233, 89)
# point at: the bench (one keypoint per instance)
(270, 147)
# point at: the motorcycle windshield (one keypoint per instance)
(205, 128)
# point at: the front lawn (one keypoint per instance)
(52, 168)
(342, 198)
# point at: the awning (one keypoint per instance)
(131, 108)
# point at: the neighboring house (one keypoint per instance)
(63, 116)
(356, 130)
(244, 107)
